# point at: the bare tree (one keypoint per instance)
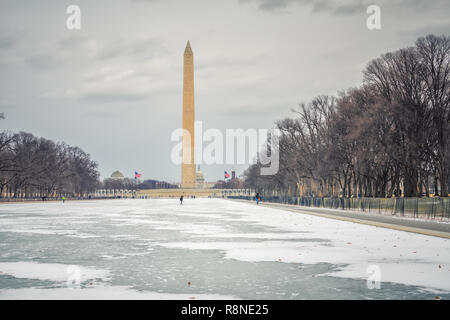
(391, 133)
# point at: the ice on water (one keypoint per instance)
(208, 249)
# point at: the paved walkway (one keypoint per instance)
(431, 228)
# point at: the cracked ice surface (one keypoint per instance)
(151, 249)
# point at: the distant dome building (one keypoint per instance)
(199, 179)
(117, 175)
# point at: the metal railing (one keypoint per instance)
(413, 207)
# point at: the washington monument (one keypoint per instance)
(188, 164)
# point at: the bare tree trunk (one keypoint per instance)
(444, 179)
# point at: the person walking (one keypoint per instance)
(63, 199)
(181, 200)
(257, 198)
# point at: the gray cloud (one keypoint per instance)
(113, 97)
(135, 48)
(107, 114)
(440, 27)
(7, 41)
(345, 7)
(44, 61)
(350, 6)
(10, 37)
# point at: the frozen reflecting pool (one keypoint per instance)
(208, 249)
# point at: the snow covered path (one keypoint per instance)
(208, 249)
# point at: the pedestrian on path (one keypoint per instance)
(181, 200)
(257, 198)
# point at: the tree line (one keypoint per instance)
(133, 184)
(388, 137)
(33, 166)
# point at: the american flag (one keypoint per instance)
(137, 175)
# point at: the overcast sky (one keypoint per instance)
(114, 88)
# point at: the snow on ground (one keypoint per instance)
(102, 293)
(150, 249)
(49, 271)
(402, 257)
